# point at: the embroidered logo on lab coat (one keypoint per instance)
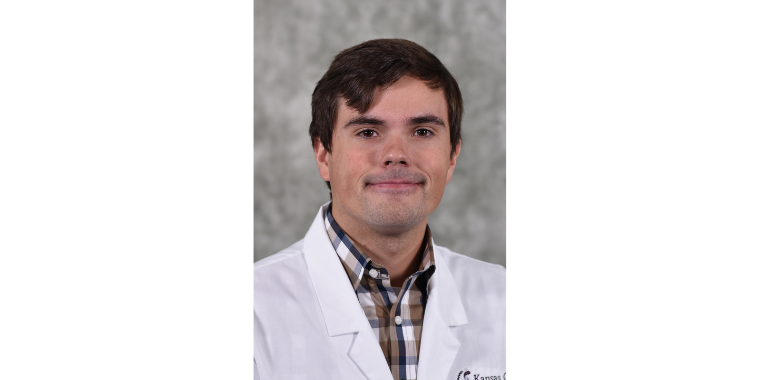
(485, 374)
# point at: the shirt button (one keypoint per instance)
(398, 320)
(373, 273)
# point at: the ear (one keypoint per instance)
(453, 162)
(323, 159)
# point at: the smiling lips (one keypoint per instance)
(393, 185)
(395, 181)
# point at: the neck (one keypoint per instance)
(399, 252)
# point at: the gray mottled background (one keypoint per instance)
(294, 43)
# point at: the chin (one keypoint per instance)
(394, 217)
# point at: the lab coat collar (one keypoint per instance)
(444, 311)
(442, 291)
(337, 298)
(343, 314)
(334, 289)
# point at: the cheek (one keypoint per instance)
(439, 167)
(349, 167)
(358, 157)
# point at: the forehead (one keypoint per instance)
(408, 97)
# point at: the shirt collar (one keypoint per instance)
(355, 262)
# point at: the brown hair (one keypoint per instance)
(356, 72)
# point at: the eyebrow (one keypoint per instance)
(367, 120)
(426, 119)
(364, 120)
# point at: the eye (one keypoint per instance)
(423, 133)
(367, 133)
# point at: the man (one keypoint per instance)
(367, 294)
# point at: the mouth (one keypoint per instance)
(397, 182)
(393, 185)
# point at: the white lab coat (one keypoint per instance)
(308, 323)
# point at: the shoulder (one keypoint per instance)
(284, 273)
(464, 265)
(474, 278)
(279, 258)
(282, 265)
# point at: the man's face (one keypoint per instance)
(388, 167)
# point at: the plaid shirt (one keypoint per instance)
(395, 314)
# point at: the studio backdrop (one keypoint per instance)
(294, 43)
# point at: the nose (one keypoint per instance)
(395, 152)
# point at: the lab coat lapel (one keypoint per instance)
(368, 356)
(337, 299)
(444, 311)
